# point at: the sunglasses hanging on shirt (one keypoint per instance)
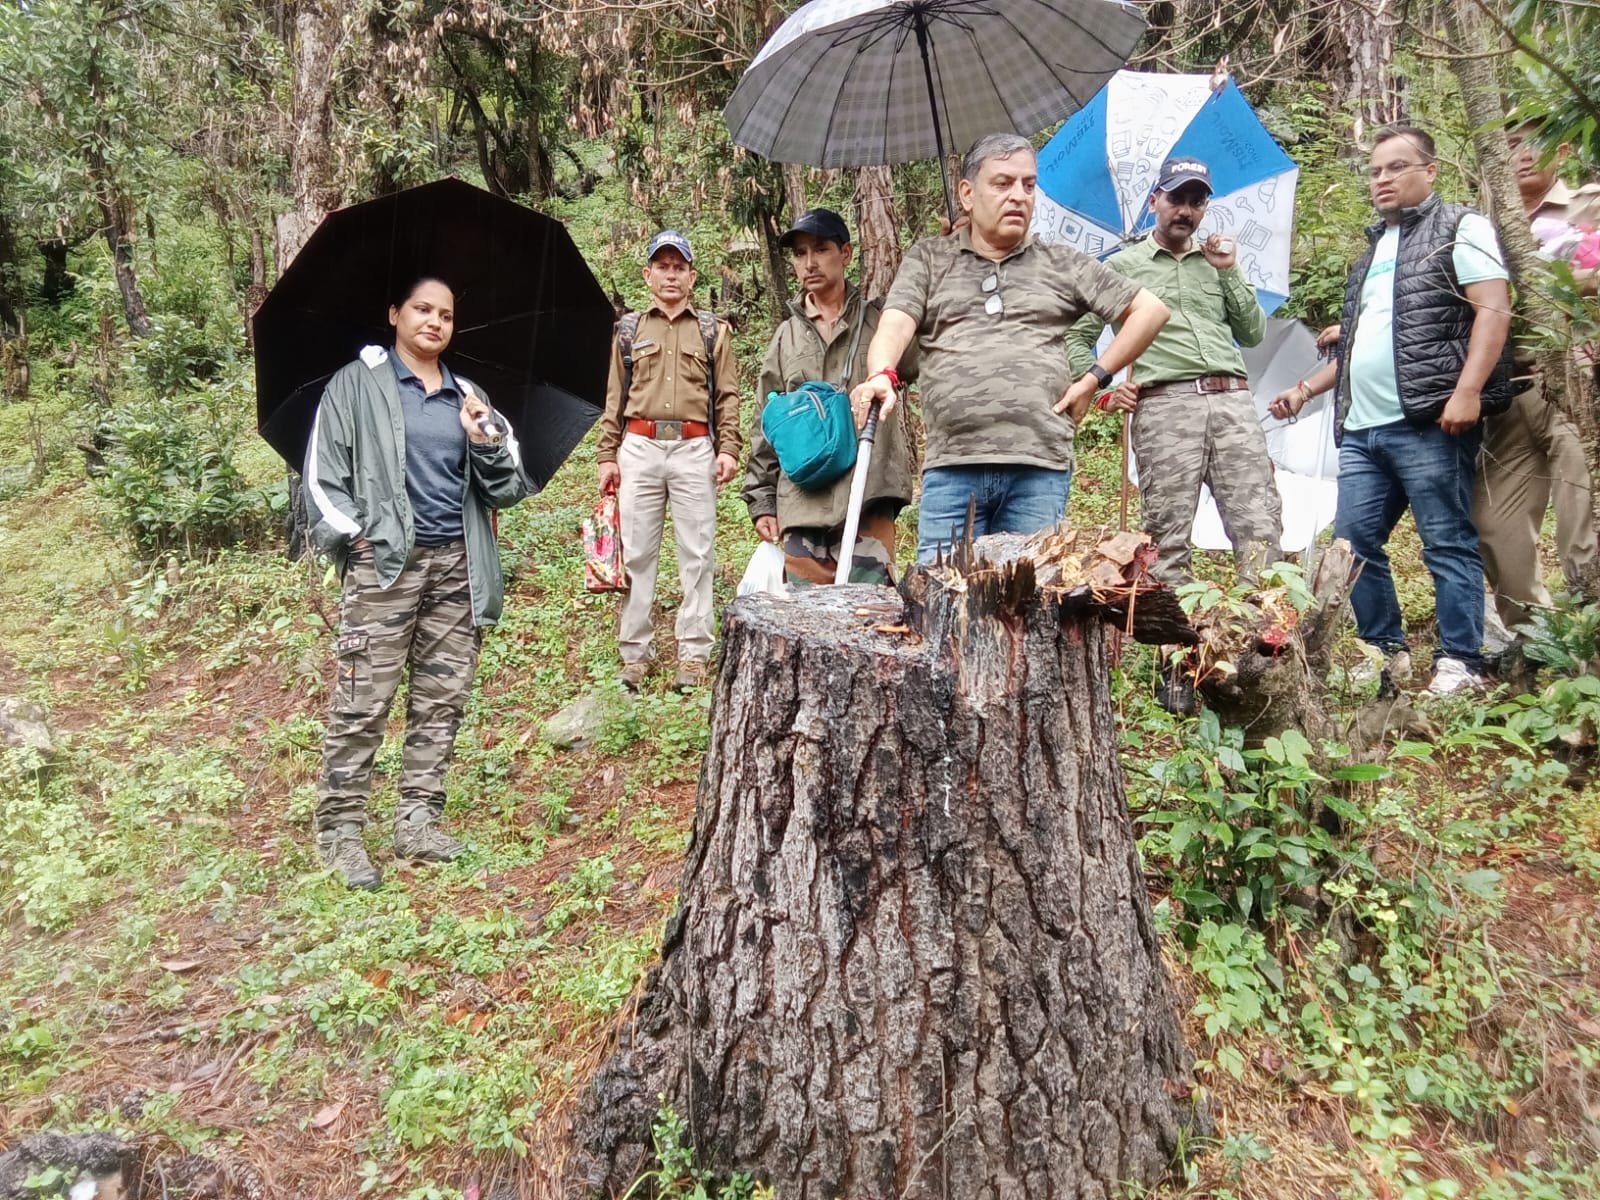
(994, 305)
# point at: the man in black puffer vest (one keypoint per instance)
(1422, 359)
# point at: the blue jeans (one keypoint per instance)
(1008, 500)
(1381, 472)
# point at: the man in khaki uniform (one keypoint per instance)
(825, 339)
(1531, 454)
(670, 434)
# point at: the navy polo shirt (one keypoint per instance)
(436, 454)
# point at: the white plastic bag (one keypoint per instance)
(765, 572)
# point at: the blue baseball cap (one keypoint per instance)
(1176, 172)
(669, 237)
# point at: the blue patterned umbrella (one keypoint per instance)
(1095, 175)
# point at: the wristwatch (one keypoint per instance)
(1101, 375)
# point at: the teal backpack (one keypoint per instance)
(813, 433)
(811, 429)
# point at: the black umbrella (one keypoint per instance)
(533, 327)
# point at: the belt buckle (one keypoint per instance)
(1209, 385)
(669, 431)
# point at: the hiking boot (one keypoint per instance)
(1451, 675)
(1396, 673)
(341, 850)
(633, 675)
(1175, 693)
(691, 674)
(1392, 675)
(421, 840)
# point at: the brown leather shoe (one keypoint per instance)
(691, 674)
(633, 675)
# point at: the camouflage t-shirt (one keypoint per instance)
(989, 381)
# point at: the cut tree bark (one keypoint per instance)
(914, 955)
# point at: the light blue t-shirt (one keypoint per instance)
(1374, 390)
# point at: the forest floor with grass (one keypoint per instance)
(1386, 964)
(1408, 1008)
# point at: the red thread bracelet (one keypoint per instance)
(894, 376)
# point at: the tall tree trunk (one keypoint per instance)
(914, 955)
(878, 224)
(316, 46)
(777, 264)
(58, 282)
(310, 153)
(794, 189)
(116, 224)
(1368, 29)
(256, 290)
(13, 317)
(1477, 40)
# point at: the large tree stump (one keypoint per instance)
(914, 954)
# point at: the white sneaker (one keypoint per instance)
(1451, 675)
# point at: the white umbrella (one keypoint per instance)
(847, 83)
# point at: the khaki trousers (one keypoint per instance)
(654, 474)
(1531, 458)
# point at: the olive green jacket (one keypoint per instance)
(797, 354)
(355, 480)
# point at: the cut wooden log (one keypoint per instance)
(913, 955)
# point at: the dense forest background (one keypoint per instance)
(1401, 1000)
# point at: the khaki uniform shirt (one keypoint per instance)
(1575, 206)
(1578, 206)
(989, 382)
(669, 381)
(1210, 310)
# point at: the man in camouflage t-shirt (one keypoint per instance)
(989, 307)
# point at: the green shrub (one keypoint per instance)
(171, 476)
(176, 354)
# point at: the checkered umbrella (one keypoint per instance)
(866, 82)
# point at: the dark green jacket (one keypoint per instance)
(355, 480)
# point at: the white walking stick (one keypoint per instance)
(858, 491)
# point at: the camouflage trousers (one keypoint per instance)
(424, 620)
(811, 556)
(1183, 440)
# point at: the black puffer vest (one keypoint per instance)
(1432, 318)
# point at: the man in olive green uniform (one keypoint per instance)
(1194, 416)
(670, 434)
(1532, 458)
(825, 339)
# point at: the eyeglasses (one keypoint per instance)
(1394, 170)
(994, 305)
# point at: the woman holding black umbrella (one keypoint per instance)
(405, 462)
